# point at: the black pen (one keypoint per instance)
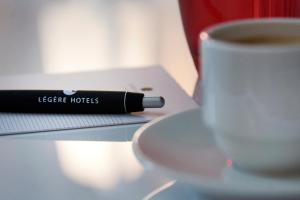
(72, 101)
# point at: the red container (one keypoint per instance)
(199, 14)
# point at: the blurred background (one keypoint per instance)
(62, 36)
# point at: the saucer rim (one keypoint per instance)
(209, 185)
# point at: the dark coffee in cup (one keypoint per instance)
(267, 40)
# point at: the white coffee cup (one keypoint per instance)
(251, 92)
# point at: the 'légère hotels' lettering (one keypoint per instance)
(75, 100)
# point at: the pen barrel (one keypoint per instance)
(70, 101)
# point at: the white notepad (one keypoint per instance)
(133, 80)
(12, 123)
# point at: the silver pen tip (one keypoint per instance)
(153, 102)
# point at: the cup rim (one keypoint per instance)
(205, 35)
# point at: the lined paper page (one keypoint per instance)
(12, 123)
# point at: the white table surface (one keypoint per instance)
(72, 170)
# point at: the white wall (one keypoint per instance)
(50, 36)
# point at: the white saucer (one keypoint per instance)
(174, 191)
(183, 148)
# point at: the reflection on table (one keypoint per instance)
(73, 170)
